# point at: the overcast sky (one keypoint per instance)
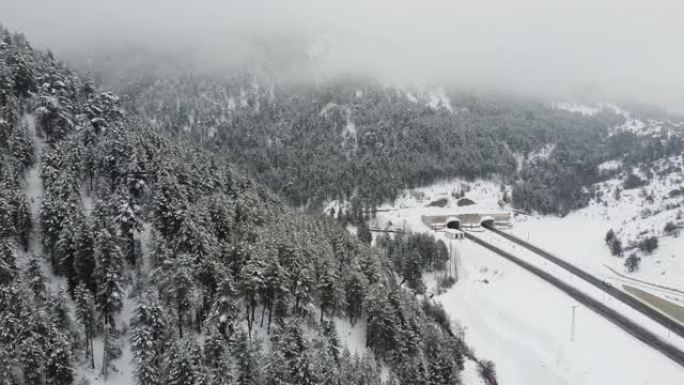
(601, 49)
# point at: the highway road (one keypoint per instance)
(611, 315)
(620, 295)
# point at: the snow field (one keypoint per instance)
(519, 321)
(585, 287)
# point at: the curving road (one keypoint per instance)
(613, 316)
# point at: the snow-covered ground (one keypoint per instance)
(522, 323)
(524, 326)
(580, 236)
(632, 123)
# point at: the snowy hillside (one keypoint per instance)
(633, 214)
(638, 125)
(519, 321)
(129, 256)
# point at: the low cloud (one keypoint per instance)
(588, 49)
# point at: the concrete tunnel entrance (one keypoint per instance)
(487, 221)
(453, 223)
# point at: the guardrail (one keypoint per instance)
(613, 316)
(669, 323)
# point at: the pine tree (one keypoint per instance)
(364, 233)
(442, 255)
(36, 280)
(331, 292)
(248, 361)
(632, 262)
(277, 369)
(251, 278)
(610, 236)
(15, 321)
(382, 322)
(150, 330)
(356, 285)
(85, 314)
(328, 369)
(8, 266)
(616, 247)
(217, 358)
(413, 271)
(66, 249)
(367, 372)
(109, 265)
(442, 359)
(84, 257)
(128, 219)
(111, 348)
(59, 311)
(32, 359)
(109, 269)
(22, 221)
(60, 205)
(274, 287)
(181, 370)
(177, 285)
(58, 365)
(225, 311)
(332, 342)
(487, 371)
(302, 366)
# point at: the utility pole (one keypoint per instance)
(572, 326)
(450, 243)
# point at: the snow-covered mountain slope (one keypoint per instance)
(640, 125)
(521, 322)
(633, 214)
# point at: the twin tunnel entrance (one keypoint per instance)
(457, 223)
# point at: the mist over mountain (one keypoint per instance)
(605, 50)
(341, 193)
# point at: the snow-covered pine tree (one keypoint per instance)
(248, 357)
(8, 261)
(332, 342)
(356, 285)
(148, 341)
(331, 292)
(36, 281)
(109, 269)
(110, 350)
(252, 281)
(127, 218)
(180, 368)
(364, 233)
(382, 321)
(442, 359)
(177, 285)
(274, 286)
(366, 371)
(302, 366)
(32, 359)
(59, 361)
(225, 313)
(22, 221)
(218, 361)
(85, 314)
(84, 257)
(58, 309)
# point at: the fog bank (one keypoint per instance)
(595, 50)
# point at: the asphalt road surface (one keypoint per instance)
(613, 316)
